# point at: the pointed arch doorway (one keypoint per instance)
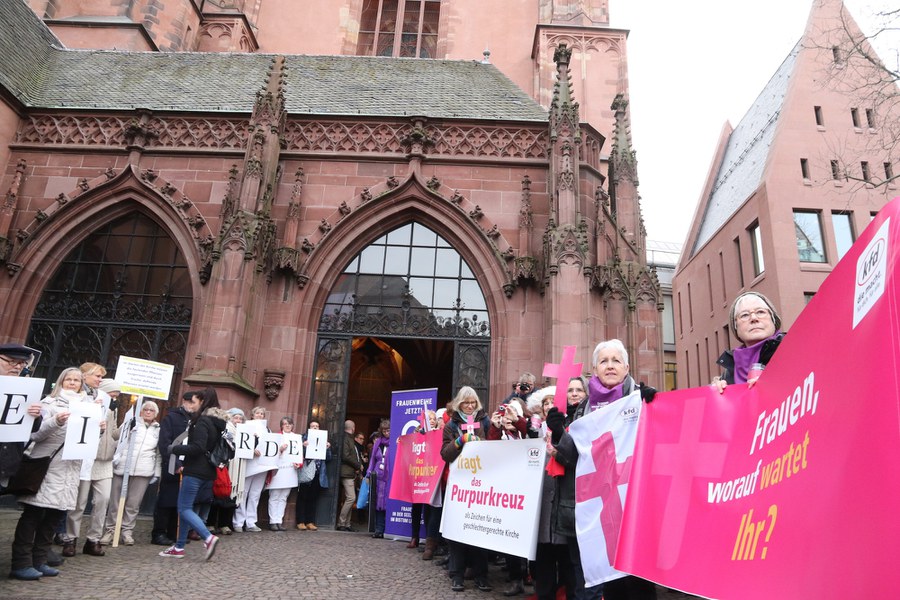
(406, 313)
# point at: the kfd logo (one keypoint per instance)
(534, 452)
(869, 262)
(630, 412)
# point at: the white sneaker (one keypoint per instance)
(253, 528)
(211, 546)
(107, 538)
(173, 552)
(127, 540)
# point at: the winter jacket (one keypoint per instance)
(203, 435)
(59, 490)
(726, 360)
(350, 457)
(452, 430)
(145, 457)
(103, 468)
(173, 424)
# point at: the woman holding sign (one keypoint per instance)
(58, 492)
(467, 419)
(757, 327)
(282, 480)
(610, 383)
(312, 480)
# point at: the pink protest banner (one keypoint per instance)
(417, 467)
(787, 490)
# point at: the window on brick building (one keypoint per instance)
(808, 229)
(854, 116)
(870, 118)
(820, 120)
(804, 169)
(843, 231)
(399, 28)
(671, 376)
(759, 264)
(888, 172)
(864, 168)
(835, 170)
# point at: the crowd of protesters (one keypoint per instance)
(196, 500)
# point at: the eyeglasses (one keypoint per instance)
(148, 409)
(14, 362)
(759, 313)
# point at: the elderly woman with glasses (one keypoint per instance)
(757, 327)
(610, 383)
(465, 405)
(138, 453)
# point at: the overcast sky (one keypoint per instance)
(692, 66)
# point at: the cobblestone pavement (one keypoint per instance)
(323, 564)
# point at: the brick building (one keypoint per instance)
(308, 205)
(789, 189)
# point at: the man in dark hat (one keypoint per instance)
(14, 358)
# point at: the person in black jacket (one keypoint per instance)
(206, 427)
(165, 514)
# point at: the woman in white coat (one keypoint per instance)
(245, 514)
(145, 466)
(42, 512)
(282, 481)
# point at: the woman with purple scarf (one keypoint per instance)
(380, 466)
(757, 327)
(610, 383)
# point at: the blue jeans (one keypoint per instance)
(188, 518)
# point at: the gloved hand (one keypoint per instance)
(556, 423)
(647, 392)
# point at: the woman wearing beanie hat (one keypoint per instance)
(757, 326)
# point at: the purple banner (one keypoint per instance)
(406, 406)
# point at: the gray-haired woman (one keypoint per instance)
(757, 326)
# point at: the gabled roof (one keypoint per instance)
(746, 154)
(41, 74)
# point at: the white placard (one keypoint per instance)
(144, 377)
(318, 443)
(104, 398)
(493, 497)
(16, 394)
(245, 440)
(268, 449)
(83, 431)
(293, 454)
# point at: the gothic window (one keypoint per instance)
(409, 282)
(404, 28)
(124, 291)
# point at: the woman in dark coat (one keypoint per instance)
(380, 466)
(207, 424)
(165, 515)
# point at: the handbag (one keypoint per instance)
(307, 472)
(28, 478)
(222, 483)
(362, 500)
